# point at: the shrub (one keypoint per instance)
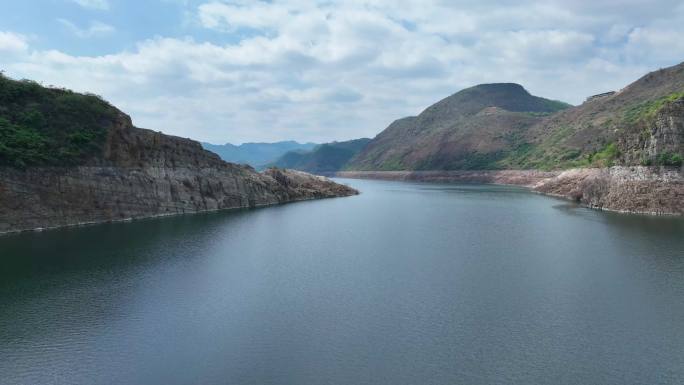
(47, 126)
(669, 159)
(605, 157)
(650, 108)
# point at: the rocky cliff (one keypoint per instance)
(131, 173)
(656, 139)
(637, 189)
(55, 197)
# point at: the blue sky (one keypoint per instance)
(236, 71)
(131, 21)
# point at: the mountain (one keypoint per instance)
(68, 158)
(324, 158)
(502, 126)
(256, 155)
(471, 129)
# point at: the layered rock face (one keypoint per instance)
(638, 189)
(661, 134)
(630, 188)
(145, 174)
(667, 131)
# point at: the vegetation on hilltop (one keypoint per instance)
(48, 126)
(475, 128)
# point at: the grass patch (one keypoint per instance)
(606, 157)
(649, 109)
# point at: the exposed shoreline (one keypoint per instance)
(39, 199)
(623, 189)
(527, 178)
(150, 217)
(638, 190)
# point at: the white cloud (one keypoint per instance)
(93, 4)
(12, 42)
(539, 47)
(230, 17)
(94, 29)
(665, 44)
(323, 71)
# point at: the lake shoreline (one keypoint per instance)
(42, 198)
(154, 216)
(621, 189)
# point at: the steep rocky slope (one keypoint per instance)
(638, 125)
(323, 159)
(126, 172)
(471, 129)
(637, 189)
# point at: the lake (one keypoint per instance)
(406, 283)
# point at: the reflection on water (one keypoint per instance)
(407, 283)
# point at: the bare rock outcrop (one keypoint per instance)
(143, 173)
(638, 189)
(635, 189)
(659, 135)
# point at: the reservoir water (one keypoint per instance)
(404, 284)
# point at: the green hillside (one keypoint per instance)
(472, 129)
(642, 124)
(47, 126)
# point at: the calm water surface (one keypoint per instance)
(404, 284)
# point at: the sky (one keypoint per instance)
(243, 71)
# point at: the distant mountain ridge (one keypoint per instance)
(324, 158)
(257, 155)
